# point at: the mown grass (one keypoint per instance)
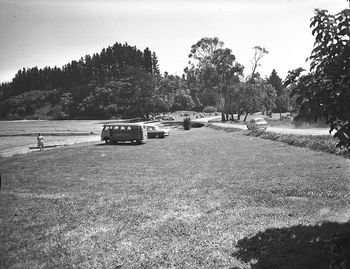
(323, 143)
(197, 199)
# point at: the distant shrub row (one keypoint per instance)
(322, 143)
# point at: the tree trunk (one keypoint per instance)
(222, 116)
(245, 118)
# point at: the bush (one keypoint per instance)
(209, 109)
(197, 124)
(187, 123)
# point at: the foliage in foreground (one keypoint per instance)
(325, 90)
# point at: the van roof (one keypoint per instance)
(123, 124)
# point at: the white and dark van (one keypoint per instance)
(135, 133)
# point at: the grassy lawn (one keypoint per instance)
(197, 199)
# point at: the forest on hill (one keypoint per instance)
(123, 81)
(115, 81)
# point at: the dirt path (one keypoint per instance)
(282, 130)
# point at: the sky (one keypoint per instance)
(55, 32)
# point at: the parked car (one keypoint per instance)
(155, 131)
(165, 117)
(257, 123)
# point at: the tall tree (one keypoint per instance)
(276, 82)
(259, 53)
(256, 92)
(214, 67)
(155, 65)
(147, 60)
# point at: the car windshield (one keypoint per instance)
(259, 120)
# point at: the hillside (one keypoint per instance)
(119, 71)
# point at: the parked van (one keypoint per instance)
(135, 133)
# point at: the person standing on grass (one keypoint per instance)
(40, 139)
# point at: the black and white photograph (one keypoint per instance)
(175, 134)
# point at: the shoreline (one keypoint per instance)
(59, 141)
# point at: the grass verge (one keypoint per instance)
(323, 143)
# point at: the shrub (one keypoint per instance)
(187, 123)
(209, 109)
(197, 124)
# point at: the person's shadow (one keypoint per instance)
(296, 247)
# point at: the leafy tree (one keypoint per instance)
(282, 102)
(325, 91)
(183, 100)
(250, 98)
(67, 103)
(16, 107)
(269, 96)
(330, 61)
(305, 88)
(214, 68)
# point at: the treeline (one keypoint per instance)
(67, 87)
(123, 81)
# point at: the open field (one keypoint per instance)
(197, 199)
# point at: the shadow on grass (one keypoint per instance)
(118, 144)
(291, 248)
(225, 129)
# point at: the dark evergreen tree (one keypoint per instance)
(155, 65)
(276, 82)
(147, 60)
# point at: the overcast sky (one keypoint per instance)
(54, 32)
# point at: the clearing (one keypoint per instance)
(196, 199)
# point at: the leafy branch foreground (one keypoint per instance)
(323, 143)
